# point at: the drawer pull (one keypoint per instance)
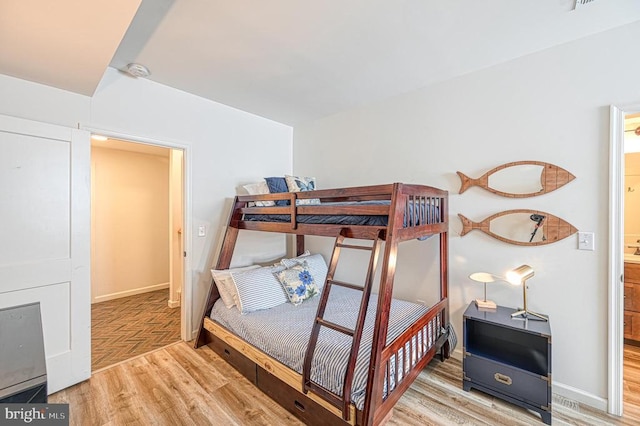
(501, 378)
(226, 351)
(299, 405)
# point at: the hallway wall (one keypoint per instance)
(130, 222)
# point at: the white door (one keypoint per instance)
(45, 238)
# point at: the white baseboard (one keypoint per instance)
(573, 394)
(173, 303)
(131, 292)
(457, 354)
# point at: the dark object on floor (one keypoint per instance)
(24, 370)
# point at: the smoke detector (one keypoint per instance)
(582, 3)
(137, 70)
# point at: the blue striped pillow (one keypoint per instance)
(226, 288)
(259, 289)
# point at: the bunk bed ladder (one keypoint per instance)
(344, 401)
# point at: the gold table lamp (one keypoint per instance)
(484, 277)
(519, 276)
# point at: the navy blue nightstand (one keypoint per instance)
(508, 358)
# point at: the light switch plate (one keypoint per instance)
(202, 231)
(586, 241)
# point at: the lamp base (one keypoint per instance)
(485, 304)
(525, 314)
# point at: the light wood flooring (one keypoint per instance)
(130, 326)
(178, 385)
(631, 389)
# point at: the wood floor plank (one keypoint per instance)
(206, 375)
(119, 402)
(188, 398)
(179, 385)
(251, 407)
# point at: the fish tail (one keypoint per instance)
(467, 225)
(465, 182)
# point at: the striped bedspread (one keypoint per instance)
(283, 333)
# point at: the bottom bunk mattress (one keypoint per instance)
(283, 333)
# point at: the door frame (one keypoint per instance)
(186, 304)
(616, 265)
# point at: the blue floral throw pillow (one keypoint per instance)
(299, 184)
(298, 283)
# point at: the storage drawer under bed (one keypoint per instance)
(245, 366)
(295, 402)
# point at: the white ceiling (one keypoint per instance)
(63, 43)
(288, 60)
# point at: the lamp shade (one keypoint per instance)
(520, 274)
(483, 277)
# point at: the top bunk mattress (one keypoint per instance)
(283, 333)
(421, 214)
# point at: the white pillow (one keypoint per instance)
(259, 188)
(281, 262)
(317, 266)
(226, 287)
(259, 289)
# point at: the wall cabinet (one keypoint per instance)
(632, 301)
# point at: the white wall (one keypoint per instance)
(129, 223)
(550, 106)
(226, 148)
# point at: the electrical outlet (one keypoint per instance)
(202, 231)
(586, 241)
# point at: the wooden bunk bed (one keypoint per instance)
(391, 214)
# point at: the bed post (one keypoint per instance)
(299, 244)
(444, 289)
(444, 276)
(375, 376)
(376, 372)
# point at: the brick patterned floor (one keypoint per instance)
(131, 326)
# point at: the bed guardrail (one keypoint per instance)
(404, 358)
(419, 210)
